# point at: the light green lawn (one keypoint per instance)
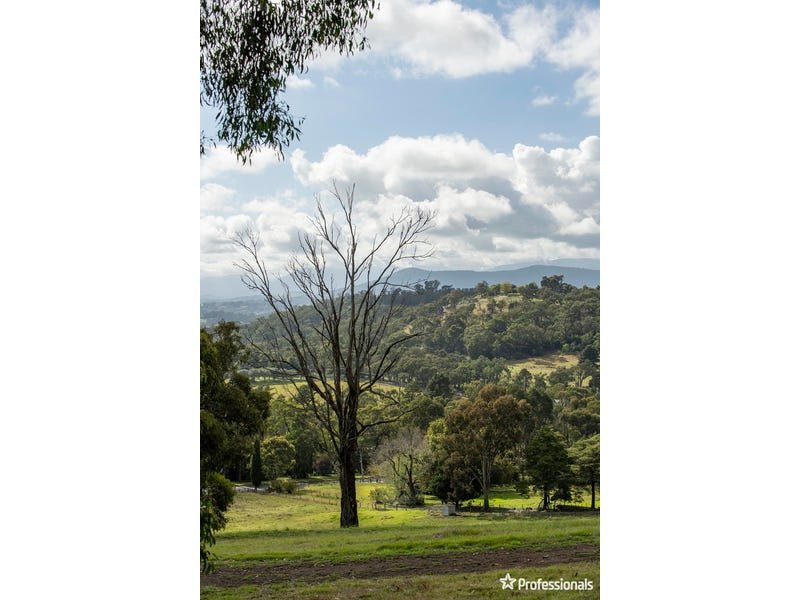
(305, 526)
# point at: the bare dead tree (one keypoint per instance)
(345, 351)
(403, 453)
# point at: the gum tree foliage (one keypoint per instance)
(232, 414)
(277, 456)
(548, 465)
(344, 352)
(585, 455)
(449, 478)
(248, 48)
(479, 431)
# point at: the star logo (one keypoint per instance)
(507, 581)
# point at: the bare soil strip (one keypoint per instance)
(398, 566)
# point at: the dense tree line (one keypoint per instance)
(468, 335)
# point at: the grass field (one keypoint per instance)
(544, 364)
(286, 388)
(271, 531)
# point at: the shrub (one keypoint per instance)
(283, 485)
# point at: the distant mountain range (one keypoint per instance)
(244, 308)
(469, 279)
(576, 271)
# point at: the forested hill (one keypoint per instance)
(247, 309)
(474, 335)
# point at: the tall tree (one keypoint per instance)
(548, 463)
(248, 49)
(231, 414)
(481, 430)
(585, 455)
(345, 352)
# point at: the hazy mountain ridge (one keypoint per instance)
(469, 279)
(244, 309)
(230, 288)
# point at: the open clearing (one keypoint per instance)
(279, 545)
(544, 364)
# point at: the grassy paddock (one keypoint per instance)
(544, 364)
(431, 587)
(305, 526)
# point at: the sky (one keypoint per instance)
(485, 112)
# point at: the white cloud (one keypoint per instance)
(586, 226)
(443, 37)
(220, 160)
(330, 82)
(551, 136)
(277, 224)
(580, 49)
(215, 197)
(544, 100)
(296, 83)
(484, 200)
(409, 166)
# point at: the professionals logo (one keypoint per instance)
(507, 581)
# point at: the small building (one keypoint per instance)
(448, 510)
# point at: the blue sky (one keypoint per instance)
(486, 112)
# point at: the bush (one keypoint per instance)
(378, 495)
(216, 495)
(283, 485)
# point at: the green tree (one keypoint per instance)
(277, 455)
(585, 456)
(439, 385)
(344, 352)
(548, 464)
(216, 495)
(451, 478)
(231, 414)
(479, 431)
(248, 49)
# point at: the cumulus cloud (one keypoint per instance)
(442, 37)
(215, 197)
(529, 204)
(277, 223)
(568, 176)
(445, 38)
(408, 166)
(580, 49)
(221, 160)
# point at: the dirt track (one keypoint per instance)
(398, 566)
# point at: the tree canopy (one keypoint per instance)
(232, 415)
(248, 49)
